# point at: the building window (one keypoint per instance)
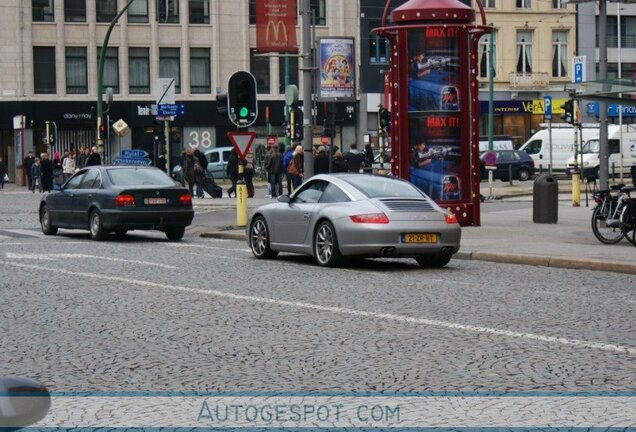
(42, 10)
(378, 47)
(106, 10)
(139, 70)
(76, 70)
(168, 11)
(628, 70)
(199, 11)
(44, 70)
(524, 4)
(559, 4)
(169, 66)
(259, 66)
(524, 51)
(484, 55)
(200, 71)
(489, 4)
(252, 12)
(559, 53)
(293, 72)
(75, 10)
(138, 11)
(110, 77)
(319, 12)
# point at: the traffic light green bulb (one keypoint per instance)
(243, 112)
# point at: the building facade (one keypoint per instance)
(51, 50)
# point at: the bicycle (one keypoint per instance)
(614, 216)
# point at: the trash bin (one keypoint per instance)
(545, 199)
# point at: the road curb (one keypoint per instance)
(499, 257)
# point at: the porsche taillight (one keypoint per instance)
(450, 218)
(372, 218)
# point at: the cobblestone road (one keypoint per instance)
(144, 314)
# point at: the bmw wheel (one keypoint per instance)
(96, 226)
(175, 234)
(326, 250)
(260, 240)
(45, 222)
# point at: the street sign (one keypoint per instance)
(578, 69)
(271, 140)
(131, 161)
(165, 91)
(133, 153)
(547, 107)
(132, 157)
(170, 110)
(241, 142)
(490, 160)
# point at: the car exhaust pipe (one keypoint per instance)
(447, 252)
(387, 251)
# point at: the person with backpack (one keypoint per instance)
(295, 167)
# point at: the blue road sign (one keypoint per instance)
(578, 72)
(547, 108)
(167, 110)
(133, 154)
(131, 161)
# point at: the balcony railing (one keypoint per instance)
(529, 80)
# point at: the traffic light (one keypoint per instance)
(221, 103)
(568, 111)
(242, 101)
(102, 131)
(296, 124)
(385, 118)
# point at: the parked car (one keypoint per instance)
(334, 216)
(217, 163)
(520, 161)
(105, 199)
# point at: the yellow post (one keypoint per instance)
(576, 188)
(241, 199)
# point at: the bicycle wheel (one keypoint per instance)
(605, 234)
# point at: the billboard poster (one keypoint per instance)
(337, 67)
(276, 26)
(435, 113)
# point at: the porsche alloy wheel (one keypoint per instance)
(326, 250)
(259, 239)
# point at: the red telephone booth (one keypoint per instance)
(434, 100)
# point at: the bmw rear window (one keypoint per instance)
(383, 187)
(138, 177)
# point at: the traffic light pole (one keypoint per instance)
(602, 106)
(308, 165)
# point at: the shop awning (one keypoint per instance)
(619, 91)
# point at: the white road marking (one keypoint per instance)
(58, 256)
(346, 311)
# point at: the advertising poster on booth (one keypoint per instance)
(337, 67)
(434, 113)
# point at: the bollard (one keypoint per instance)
(510, 174)
(241, 199)
(576, 187)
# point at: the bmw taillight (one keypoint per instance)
(372, 218)
(124, 200)
(450, 218)
(185, 199)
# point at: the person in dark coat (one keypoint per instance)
(189, 174)
(274, 166)
(354, 159)
(27, 163)
(368, 158)
(232, 172)
(94, 158)
(321, 161)
(46, 172)
(339, 164)
(3, 171)
(161, 162)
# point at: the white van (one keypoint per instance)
(538, 146)
(590, 150)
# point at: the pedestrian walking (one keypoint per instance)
(295, 167)
(93, 158)
(182, 164)
(368, 158)
(289, 153)
(57, 171)
(321, 161)
(339, 164)
(355, 159)
(248, 174)
(36, 175)
(46, 169)
(274, 166)
(27, 163)
(68, 166)
(232, 172)
(189, 174)
(3, 173)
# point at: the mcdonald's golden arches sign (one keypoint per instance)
(276, 26)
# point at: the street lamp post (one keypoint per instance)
(100, 75)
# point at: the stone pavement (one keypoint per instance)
(508, 234)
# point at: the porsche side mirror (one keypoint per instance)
(23, 402)
(283, 198)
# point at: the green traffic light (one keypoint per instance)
(243, 112)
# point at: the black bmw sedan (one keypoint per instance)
(105, 199)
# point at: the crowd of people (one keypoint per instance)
(46, 174)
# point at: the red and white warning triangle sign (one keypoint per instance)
(241, 142)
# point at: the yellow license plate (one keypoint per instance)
(419, 238)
